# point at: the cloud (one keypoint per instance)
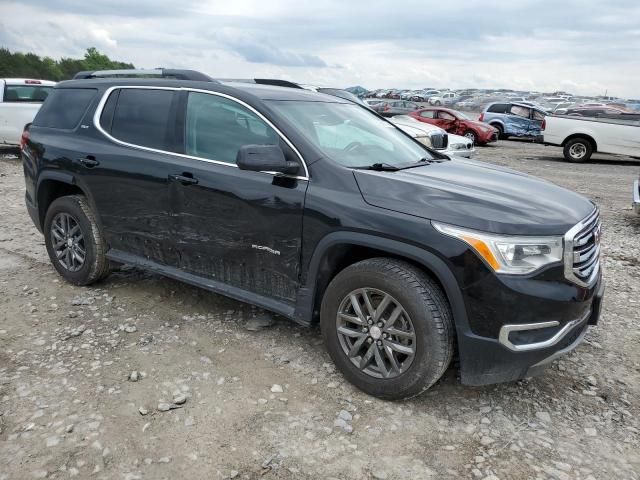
(537, 44)
(256, 51)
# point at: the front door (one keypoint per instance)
(238, 227)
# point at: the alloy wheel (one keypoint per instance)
(68, 242)
(376, 333)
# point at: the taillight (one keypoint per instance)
(481, 118)
(544, 124)
(25, 136)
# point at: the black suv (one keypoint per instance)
(317, 209)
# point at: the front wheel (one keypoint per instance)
(74, 242)
(388, 328)
(471, 135)
(578, 150)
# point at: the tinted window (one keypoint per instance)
(428, 114)
(445, 116)
(106, 117)
(65, 107)
(141, 117)
(499, 108)
(26, 93)
(217, 127)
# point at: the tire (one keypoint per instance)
(95, 265)
(425, 312)
(438, 103)
(471, 135)
(497, 126)
(578, 150)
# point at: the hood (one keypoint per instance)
(405, 121)
(480, 125)
(476, 195)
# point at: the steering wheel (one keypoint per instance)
(352, 146)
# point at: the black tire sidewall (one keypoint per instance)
(423, 371)
(71, 206)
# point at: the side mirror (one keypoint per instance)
(264, 158)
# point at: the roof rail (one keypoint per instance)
(263, 81)
(158, 72)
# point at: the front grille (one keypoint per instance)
(582, 250)
(439, 141)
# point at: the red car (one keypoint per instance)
(457, 123)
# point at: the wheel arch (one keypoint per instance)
(53, 185)
(586, 136)
(341, 249)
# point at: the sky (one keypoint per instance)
(585, 47)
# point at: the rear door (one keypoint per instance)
(127, 170)
(234, 226)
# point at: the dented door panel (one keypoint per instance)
(241, 228)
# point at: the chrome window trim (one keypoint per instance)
(505, 330)
(568, 252)
(105, 96)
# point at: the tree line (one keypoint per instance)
(30, 65)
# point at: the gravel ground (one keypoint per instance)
(141, 377)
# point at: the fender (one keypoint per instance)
(307, 293)
(69, 179)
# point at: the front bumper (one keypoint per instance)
(636, 197)
(522, 349)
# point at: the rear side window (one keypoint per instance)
(499, 108)
(26, 93)
(65, 107)
(141, 117)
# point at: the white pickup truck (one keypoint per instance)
(582, 136)
(20, 100)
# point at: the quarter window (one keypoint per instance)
(141, 117)
(217, 127)
(520, 111)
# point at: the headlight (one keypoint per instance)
(506, 253)
(457, 146)
(425, 140)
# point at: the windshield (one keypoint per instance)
(351, 135)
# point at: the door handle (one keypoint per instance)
(89, 161)
(185, 179)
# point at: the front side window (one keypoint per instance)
(141, 117)
(446, 116)
(351, 135)
(217, 127)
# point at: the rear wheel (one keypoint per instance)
(74, 242)
(578, 150)
(388, 328)
(500, 129)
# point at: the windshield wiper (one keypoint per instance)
(380, 167)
